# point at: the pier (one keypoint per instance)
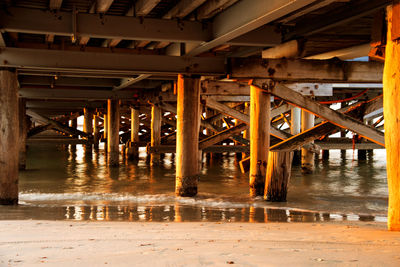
(271, 83)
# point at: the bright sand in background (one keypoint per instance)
(66, 243)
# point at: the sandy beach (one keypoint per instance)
(69, 243)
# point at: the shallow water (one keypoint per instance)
(63, 183)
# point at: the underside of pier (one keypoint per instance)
(262, 79)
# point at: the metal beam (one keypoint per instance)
(300, 70)
(245, 16)
(109, 27)
(90, 62)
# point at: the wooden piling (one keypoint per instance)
(113, 132)
(278, 176)
(156, 116)
(132, 151)
(96, 130)
(246, 133)
(23, 125)
(295, 129)
(260, 106)
(391, 111)
(187, 138)
(88, 125)
(8, 138)
(307, 157)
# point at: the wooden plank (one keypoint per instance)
(333, 116)
(144, 7)
(210, 149)
(301, 70)
(183, 8)
(222, 136)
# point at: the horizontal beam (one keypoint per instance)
(221, 136)
(38, 21)
(336, 118)
(210, 149)
(56, 141)
(246, 16)
(74, 94)
(91, 62)
(300, 70)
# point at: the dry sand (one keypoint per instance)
(66, 243)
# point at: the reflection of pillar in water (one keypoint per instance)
(178, 216)
(252, 213)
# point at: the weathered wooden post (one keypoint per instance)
(246, 133)
(260, 109)
(278, 175)
(8, 138)
(22, 133)
(156, 115)
(96, 130)
(307, 157)
(187, 138)
(296, 128)
(391, 112)
(132, 150)
(88, 125)
(113, 132)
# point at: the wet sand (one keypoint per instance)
(86, 243)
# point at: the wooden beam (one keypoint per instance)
(333, 116)
(212, 7)
(210, 149)
(130, 81)
(144, 7)
(300, 70)
(89, 62)
(219, 137)
(183, 8)
(103, 5)
(36, 21)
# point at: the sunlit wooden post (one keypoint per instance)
(132, 150)
(260, 109)
(296, 128)
(88, 123)
(391, 111)
(246, 133)
(187, 138)
(22, 133)
(307, 157)
(155, 133)
(8, 138)
(113, 132)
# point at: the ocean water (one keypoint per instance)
(66, 183)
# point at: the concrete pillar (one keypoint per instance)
(391, 112)
(23, 127)
(9, 135)
(132, 150)
(113, 119)
(307, 157)
(187, 138)
(260, 110)
(296, 128)
(156, 116)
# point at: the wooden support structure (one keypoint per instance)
(260, 108)
(391, 110)
(296, 129)
(156, 120)
(22, 121)
(8, 138)
(307, 158)
(188, 126)
(113, 118)
(88, 123)
(278, 176)
(221, 136)
(96, 130)
(132, 150)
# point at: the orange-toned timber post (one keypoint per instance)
(96, 130)
(260, 105)
(132, 151)
(246, 133)
(113, 132)
(391, 111)
(295, 121)
(187, 136)
(8, 138)
(156, 116)
(307, 157)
